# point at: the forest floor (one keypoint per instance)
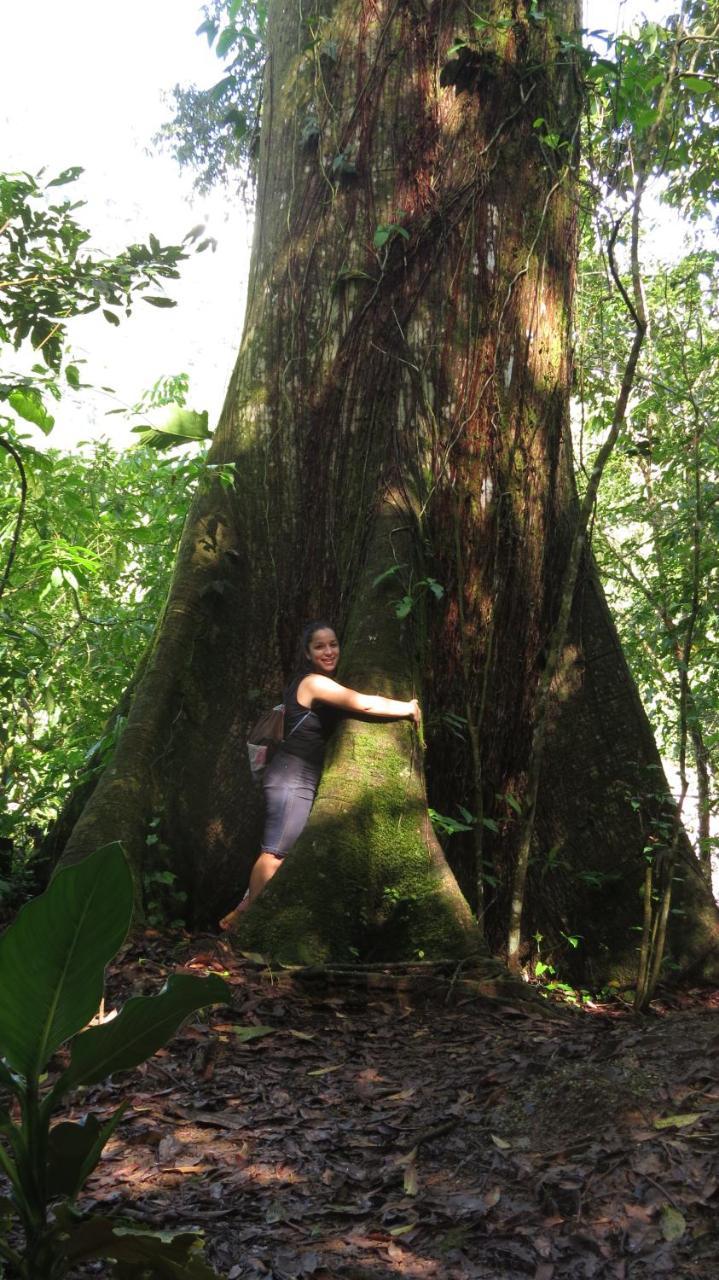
(423, 1131)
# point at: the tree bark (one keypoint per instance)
(407, 341)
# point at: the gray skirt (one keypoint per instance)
(290, 787)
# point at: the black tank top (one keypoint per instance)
(307, 732)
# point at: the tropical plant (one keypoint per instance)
(657, 532)
(87, 538)
(50, 275)
(52, 962)
(100, 531)
(215, 131)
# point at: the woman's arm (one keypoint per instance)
(322, 689)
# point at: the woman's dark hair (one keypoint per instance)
(317, 624)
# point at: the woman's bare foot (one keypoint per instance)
(228, 922)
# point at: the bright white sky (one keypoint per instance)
(82, 83)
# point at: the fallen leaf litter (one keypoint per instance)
(343, 1134)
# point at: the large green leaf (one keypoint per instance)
(73, 1151)
(172, 426)
(143, 1026)
(164, 1254)
(27, 403)
(53, 957)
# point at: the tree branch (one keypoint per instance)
(10, 448)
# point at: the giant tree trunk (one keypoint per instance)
(407, 343)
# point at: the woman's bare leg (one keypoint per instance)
(264, 869)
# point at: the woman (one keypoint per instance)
(314, 705)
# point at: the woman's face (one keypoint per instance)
(323, 651)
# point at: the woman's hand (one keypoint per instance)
(414, 712)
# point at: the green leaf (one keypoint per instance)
(404, 607)
(72, 373)
(159, 301)
(244, 1034)
(67, 175)
(387, 573)
(449, 825)
(226, 41)
(342, 166)
(387, 231)
(48, 992)
(697, 84)
(410, 1179)
(27, 403)
(73, 1151)
(142, 1027)
(678, 1121)
(162, 1254)
(176, 426)
(673, 1223)
(208, 28)
(110, 316)
(348, 274)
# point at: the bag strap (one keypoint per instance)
(299, 722)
